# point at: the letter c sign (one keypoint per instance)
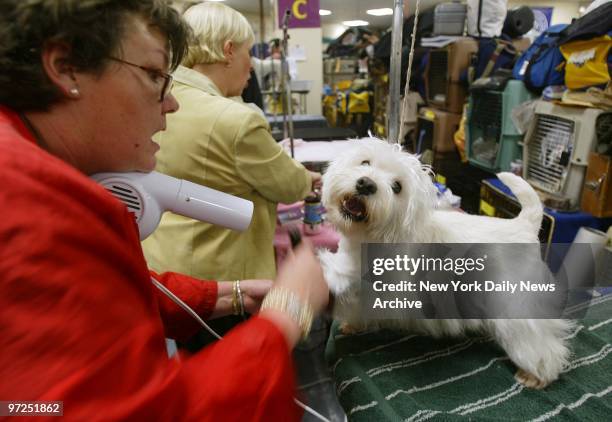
(304, 13)
(295, 9)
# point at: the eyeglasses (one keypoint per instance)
(154, 74)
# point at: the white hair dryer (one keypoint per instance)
(149, 195)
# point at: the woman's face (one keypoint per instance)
(123, 105)
(240, 69)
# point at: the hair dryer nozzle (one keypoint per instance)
(212, 206)
(148, 195)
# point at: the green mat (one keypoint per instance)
(395, 376)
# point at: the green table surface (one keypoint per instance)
(399, 376)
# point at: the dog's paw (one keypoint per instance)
(347, 329)
(529, 380)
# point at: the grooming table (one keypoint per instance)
(395, 376)
(316, 155)
(300, 121)
(317, 151)
(317, 134)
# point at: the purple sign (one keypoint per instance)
(542, 17)
(303, 13)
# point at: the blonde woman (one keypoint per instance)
(218, 141)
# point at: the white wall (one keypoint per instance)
(310, 39)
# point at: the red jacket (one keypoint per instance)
(81, 322)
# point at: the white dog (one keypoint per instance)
(375, 193)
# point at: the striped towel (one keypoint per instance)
(393, 376)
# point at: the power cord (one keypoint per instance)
(191, 312)
(186, 307)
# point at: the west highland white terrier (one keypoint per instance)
(377, 194)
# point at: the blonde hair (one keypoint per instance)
(213, 25)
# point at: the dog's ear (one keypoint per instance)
(421, 192)
(424, 174)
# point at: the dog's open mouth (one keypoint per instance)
(354, 208)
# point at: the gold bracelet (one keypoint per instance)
(284, 300)
(235, 300)
(240, 298)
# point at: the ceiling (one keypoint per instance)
(342, 10)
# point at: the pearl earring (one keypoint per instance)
(74, 92)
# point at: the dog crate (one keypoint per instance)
(443, 86)
(597, 192)
(557, 147)
(435, 130)
(492, 139)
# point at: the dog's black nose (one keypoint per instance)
(366, 186)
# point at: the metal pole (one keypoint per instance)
(282, 86)
(286, 84)
(395, 72)
(262, 41)
(273, 75)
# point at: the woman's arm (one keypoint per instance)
(209, 299)
(199, 295)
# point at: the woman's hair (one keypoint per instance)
(91, 29)
(213, 25)
(275, 43)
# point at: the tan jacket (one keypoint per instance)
(226, 145)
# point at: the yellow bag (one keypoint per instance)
(359, 102)
(330, 109)
(459, 136)
(343, 85)
(587, 62)
(341, 101)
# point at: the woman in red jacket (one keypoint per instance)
(83, 88)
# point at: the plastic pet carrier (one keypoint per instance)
(557, 147)
(492, 139)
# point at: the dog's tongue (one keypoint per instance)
(355, 205)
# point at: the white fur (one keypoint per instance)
(535, 345)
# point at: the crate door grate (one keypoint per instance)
(550, 152)
(486, 125)
(603, 128)
(438, 70)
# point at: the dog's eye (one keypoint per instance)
(365, 163)
(397, 187)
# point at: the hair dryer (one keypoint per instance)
(149, 195)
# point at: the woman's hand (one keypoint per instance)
(302, 275)
(316, 180)
(253, 292)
